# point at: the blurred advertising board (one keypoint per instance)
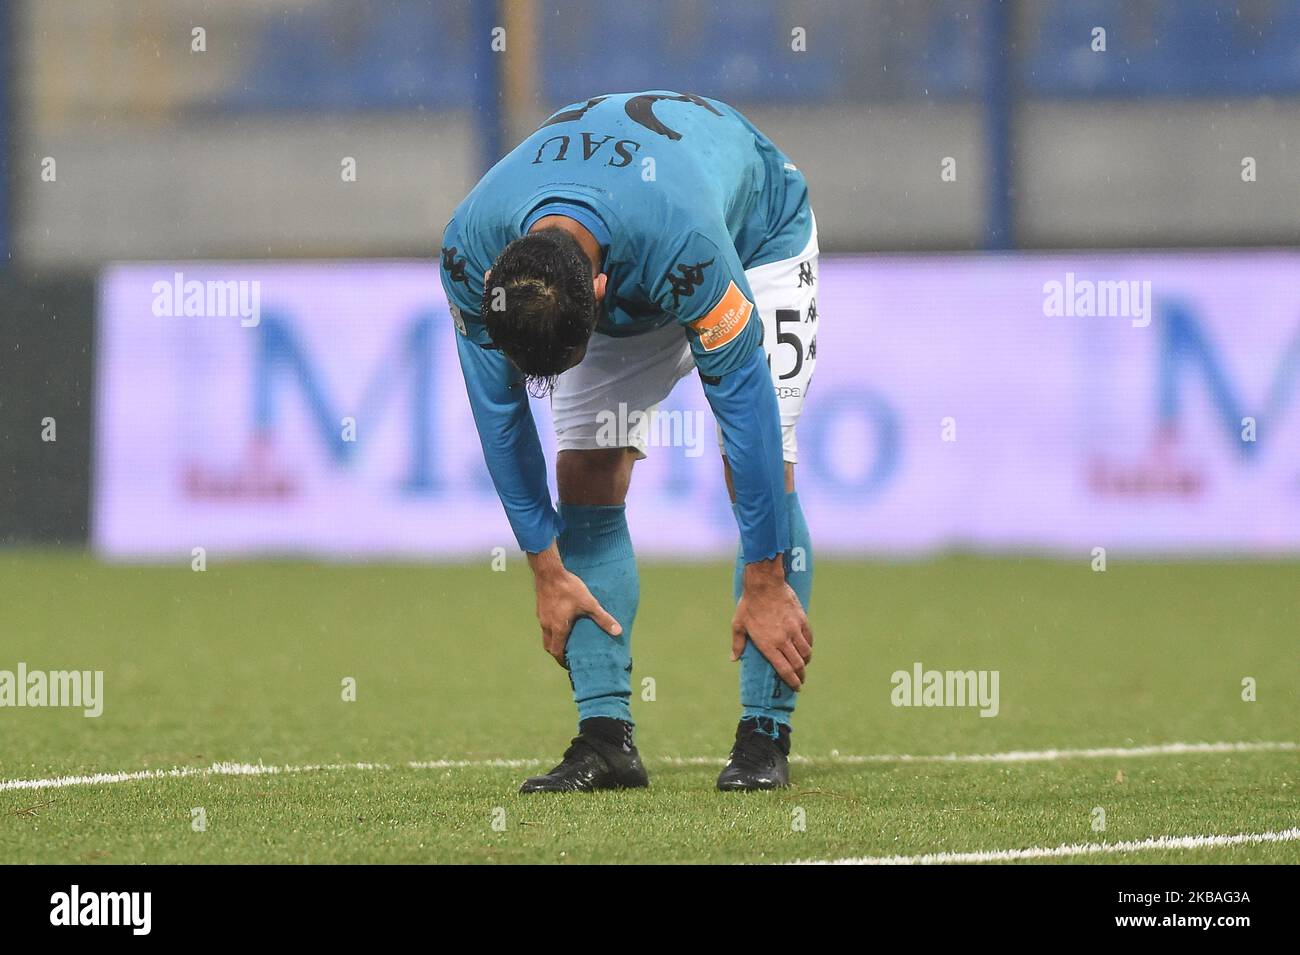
(1143, 402)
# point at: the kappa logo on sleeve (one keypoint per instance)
(683, 285)
(455, 265)
(725, 320)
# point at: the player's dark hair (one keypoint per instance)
(545, 306)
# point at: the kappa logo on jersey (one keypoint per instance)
(725, 321)
(683, 286)
(455, 266)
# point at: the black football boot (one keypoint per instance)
(759, 760)
(601, 756)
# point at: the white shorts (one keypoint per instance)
(605, 401)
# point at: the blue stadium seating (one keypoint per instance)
(417, 54)
(1166, 48)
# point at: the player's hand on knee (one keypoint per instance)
(560, 603)
(776, 646)
(562, 598)
(770, 616)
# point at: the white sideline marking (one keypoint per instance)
(1079, 849)
(252, 769)
(1050, 755)
(1020, 756)
(1014, 756)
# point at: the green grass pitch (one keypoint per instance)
(244, 663)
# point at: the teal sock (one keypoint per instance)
(762, 692)
(596, 547)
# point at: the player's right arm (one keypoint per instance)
(511, 448)
(499, 403)
(513, 453)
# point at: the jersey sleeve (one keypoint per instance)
(502, 416)
(705, 288)
(707, 291)
(463, 285)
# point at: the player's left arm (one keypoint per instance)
(707, 290)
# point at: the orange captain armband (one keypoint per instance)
(725, 320)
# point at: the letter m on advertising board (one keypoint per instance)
(1185, 347)
(408, 361)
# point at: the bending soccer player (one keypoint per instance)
(631, 239)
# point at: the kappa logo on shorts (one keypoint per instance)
(806, 276)
(725, 320)
(683, 286)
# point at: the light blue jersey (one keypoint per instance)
(684, 194)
